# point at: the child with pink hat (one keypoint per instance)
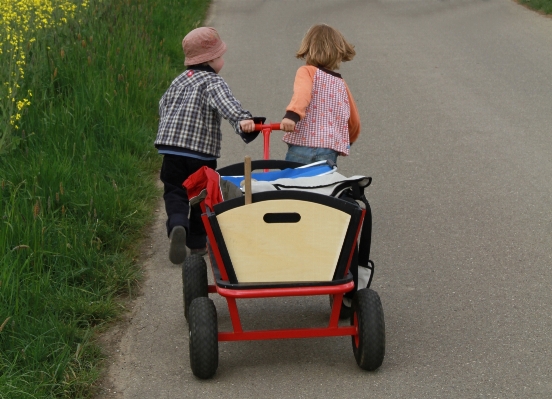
(189, 135)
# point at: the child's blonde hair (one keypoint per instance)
(324, 46)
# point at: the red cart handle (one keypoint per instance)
(271, 126)
(267, 129)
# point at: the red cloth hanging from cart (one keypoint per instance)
(204, 179)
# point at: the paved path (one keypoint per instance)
(455, 99)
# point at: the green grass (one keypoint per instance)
(79, 187)
(543, 6)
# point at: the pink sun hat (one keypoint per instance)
(202, 45)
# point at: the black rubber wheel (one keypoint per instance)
(369, 344)
(203, 338)
(194, 280)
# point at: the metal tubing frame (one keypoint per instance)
(260, 335)
(333, 330)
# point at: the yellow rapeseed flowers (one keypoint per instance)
(20, 22)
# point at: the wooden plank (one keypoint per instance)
(307, 250)
(247, 177)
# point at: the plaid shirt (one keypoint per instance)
(192, 108)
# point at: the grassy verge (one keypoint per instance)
(78, 186)
(543, 6)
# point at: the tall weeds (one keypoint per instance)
(77, 185)
(21, 22)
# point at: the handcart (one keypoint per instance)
(310, 246)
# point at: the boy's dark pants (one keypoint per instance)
(174, 171)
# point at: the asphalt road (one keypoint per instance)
(455, 99)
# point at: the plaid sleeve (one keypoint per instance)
(162, 107)
(227, 105)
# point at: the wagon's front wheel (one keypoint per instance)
(203, 337)
(369, 343)
(194, 280)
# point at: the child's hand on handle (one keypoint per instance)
(287, 125)
(247, 125)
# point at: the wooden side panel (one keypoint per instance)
(306, 250)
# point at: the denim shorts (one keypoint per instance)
(306, 155)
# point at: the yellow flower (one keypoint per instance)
(20, 20)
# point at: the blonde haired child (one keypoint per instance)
(322, 118)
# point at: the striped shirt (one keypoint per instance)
(191, 110)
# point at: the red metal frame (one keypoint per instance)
(332, 330)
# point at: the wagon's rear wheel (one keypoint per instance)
(203, 338)
(194, 280)
(369, 343)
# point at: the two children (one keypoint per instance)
(322, 118)
(189, 135)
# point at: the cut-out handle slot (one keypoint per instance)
(282, 217)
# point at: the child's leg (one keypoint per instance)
(297, 153)
(174, 171)
(325, 154)
(306, 155)
(176, 205)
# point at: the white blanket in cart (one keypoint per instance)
(332, 184)
(317, 177)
